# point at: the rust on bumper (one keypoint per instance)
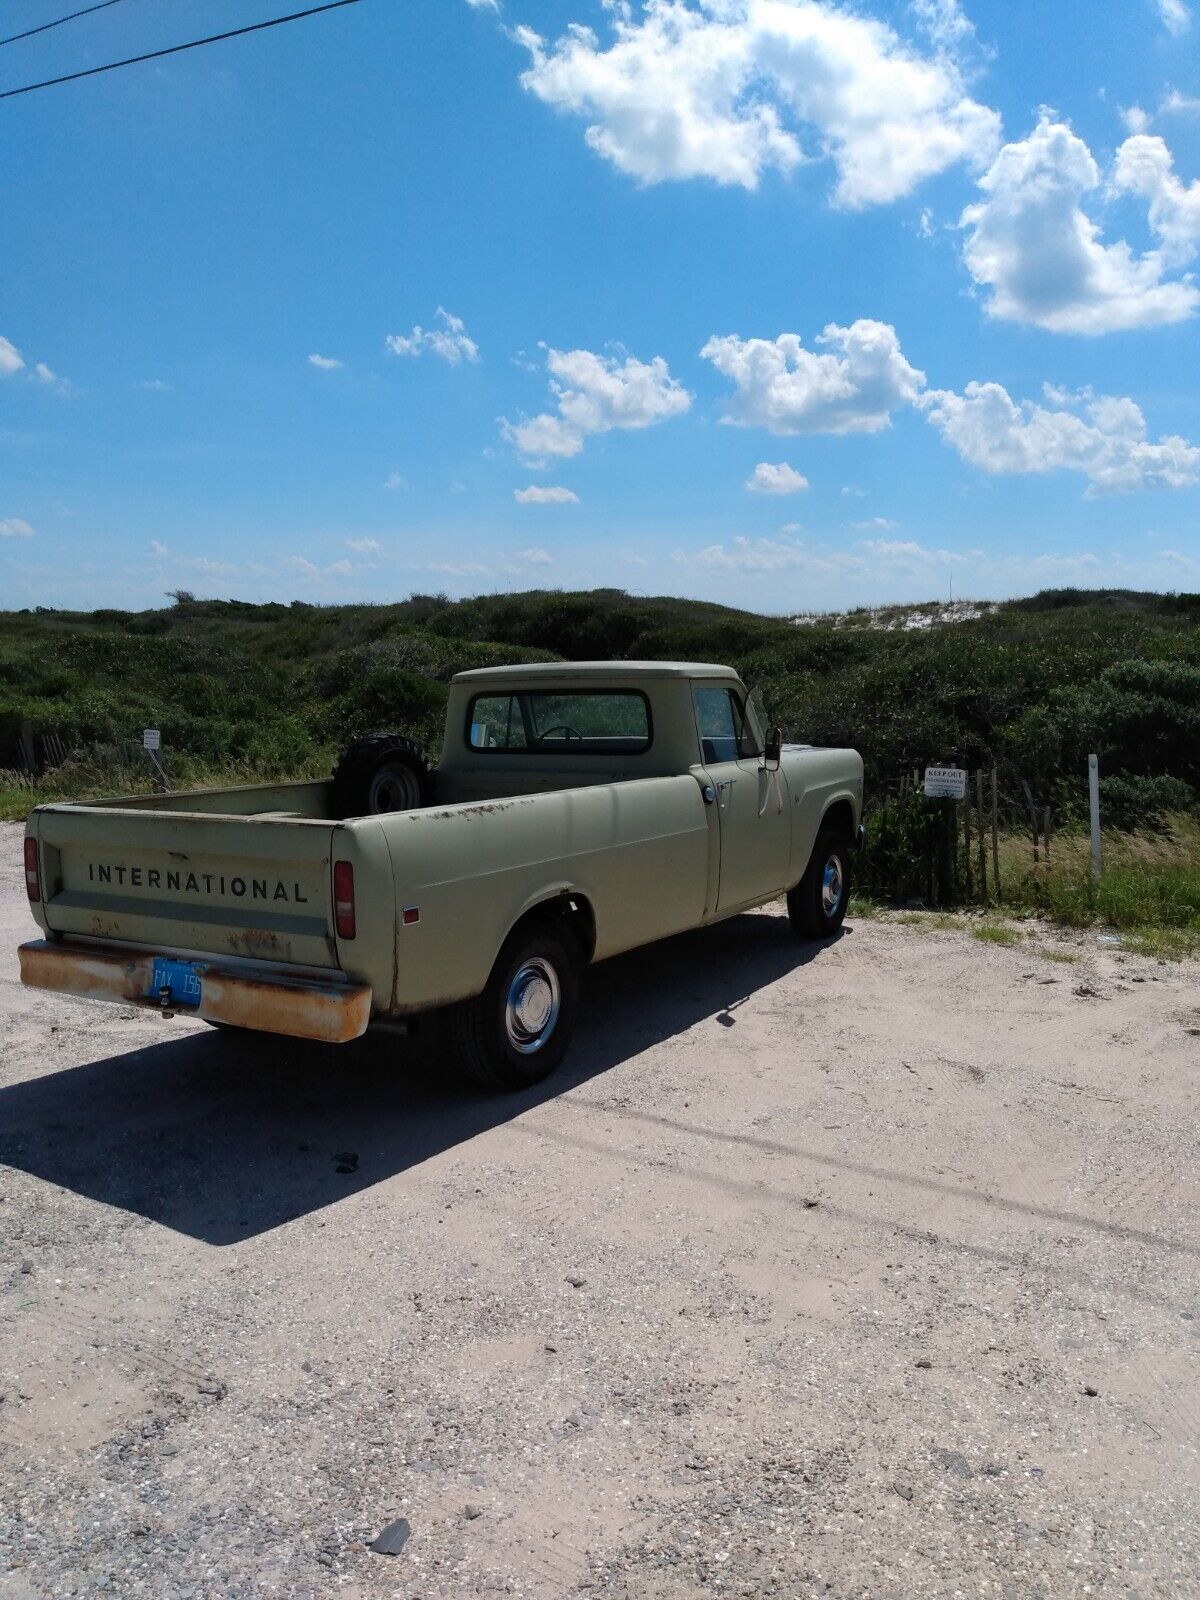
(301, 1007)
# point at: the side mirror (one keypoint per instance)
(773, 749)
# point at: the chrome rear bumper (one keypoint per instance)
(302, 1007)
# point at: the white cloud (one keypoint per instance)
(1144, 167)
(771, 555)
(1176, 17)
(363, 547)
(11, 359)
(537, 495)
(1175, 104)
(1172, 104)
(326, 363)
(775, 478)
(945, 22)
(781, 386)
(596, 394)
(535, 556)
(1031, 243)
(727, 89)
(14, 528)
(1103, 437)
(155, 386)
(395, 480)
(158, 548)
(907, 552)
(875, 522)
(450, 341)
(484, 5)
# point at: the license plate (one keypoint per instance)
(180, 978)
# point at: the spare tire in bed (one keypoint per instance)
(384, 772)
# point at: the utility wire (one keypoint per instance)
(57, 23)
(174, 49)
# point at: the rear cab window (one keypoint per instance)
(557, 722)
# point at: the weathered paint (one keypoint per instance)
(308, 1008)
(188, 879)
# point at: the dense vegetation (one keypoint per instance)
(1033, 684)
(239, 690)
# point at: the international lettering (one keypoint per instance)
(211, 885)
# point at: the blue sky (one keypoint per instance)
(777, 302)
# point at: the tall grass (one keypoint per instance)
(1146, 878)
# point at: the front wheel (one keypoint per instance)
(817, 905)
(517, 1031)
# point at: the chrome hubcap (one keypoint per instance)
(831, 886)
(531, 1010)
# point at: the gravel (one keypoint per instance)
(596, 1339)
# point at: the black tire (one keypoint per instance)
(485, 1036)
(817, 905)
(382, 773)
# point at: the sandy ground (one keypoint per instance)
(864, 1270)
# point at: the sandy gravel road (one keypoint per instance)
(863, 1271)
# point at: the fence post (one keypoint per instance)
(28, 753)
(982, 847)
(995, 839)
(1094, 808)
(1032, 818)
(967, 839)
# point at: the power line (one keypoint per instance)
(174, 49)
(58, 22)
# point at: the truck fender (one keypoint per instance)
(560, 901)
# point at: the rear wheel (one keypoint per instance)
(517, 1031)
(817, 905)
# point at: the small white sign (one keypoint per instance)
(151, 739)
(945, 783)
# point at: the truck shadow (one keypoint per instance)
(223, 1137)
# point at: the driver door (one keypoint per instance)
(752, 803)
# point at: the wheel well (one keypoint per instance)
(840, 816)
(570, 912)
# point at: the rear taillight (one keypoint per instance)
(33, 882)
(343, 899)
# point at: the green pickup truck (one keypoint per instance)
(578, 810)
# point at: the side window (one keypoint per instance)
(726, 734)
(717, 724)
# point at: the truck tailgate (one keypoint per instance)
(243, 886)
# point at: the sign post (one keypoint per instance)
(152, 745)
(947, 784)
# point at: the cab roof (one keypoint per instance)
(608, 671)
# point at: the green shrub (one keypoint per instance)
(1129, 802)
